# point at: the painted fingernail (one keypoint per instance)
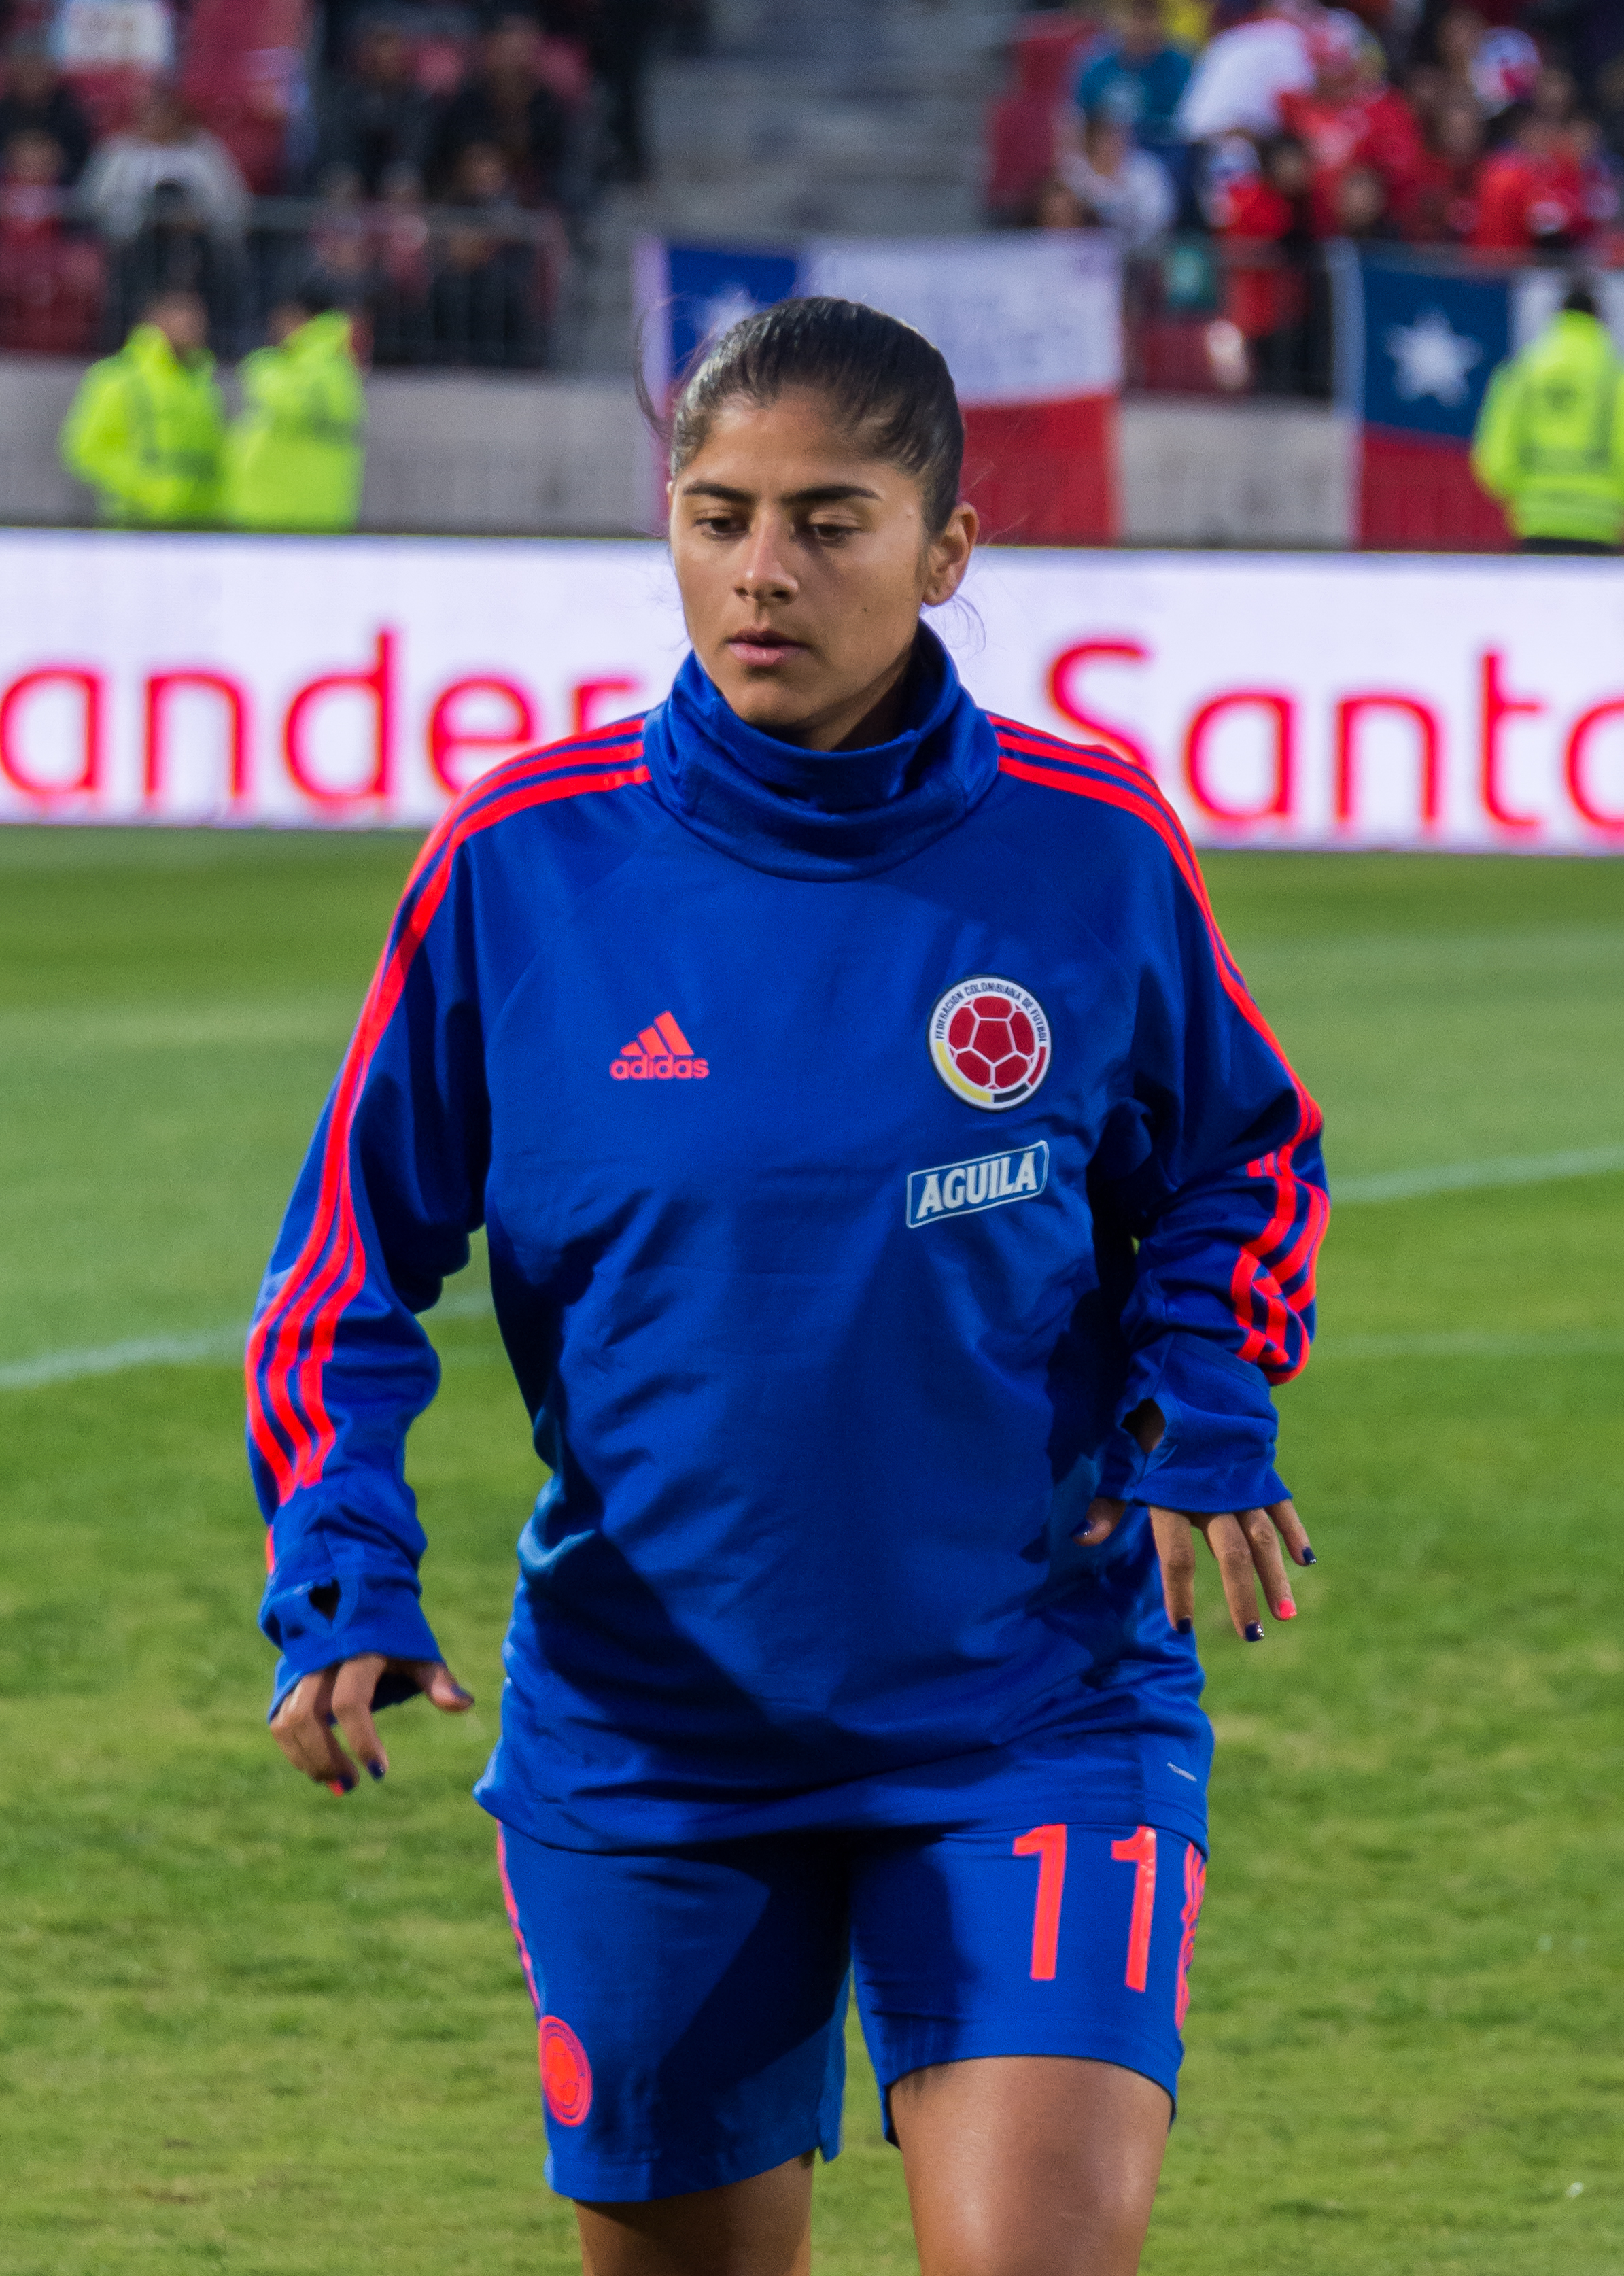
(1254, 1632)
(1185, 1628)
(1305, 1556)
(461, 1694)
(1286, 1610)
(376, 1770)
(340, 1786)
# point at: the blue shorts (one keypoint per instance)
(691, 2002)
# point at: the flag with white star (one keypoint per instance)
(1430, 341)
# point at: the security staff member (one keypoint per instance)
(1550, 440)
(146, 427)
(293, 459)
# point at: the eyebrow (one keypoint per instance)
(826, 493)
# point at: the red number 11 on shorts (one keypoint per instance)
(1047, 1844)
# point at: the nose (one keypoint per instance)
(763, 574)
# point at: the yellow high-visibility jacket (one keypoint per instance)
(1549, 439)
(144, 431)
(294, 460)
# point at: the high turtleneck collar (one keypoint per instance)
(822, 814)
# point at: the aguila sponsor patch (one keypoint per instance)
(960, 1188)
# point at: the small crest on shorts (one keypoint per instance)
(567, 2075)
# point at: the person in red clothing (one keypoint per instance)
(1440, 205)
(50, 283)
(1598, 173)
(1364, 215)
(1267, 225)
(1532, 191)
(1350, 119)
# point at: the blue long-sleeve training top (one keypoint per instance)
(858, 1138)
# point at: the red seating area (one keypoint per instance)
(240, 74)
(72, 76)
(1021, 129)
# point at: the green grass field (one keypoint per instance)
(243, 2024)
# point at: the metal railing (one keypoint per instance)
(1205, 316)
(431, 287)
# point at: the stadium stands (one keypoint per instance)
(465, 178)
(133, 135)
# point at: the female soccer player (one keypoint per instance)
(896, 1212)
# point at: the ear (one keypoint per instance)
(948, 556)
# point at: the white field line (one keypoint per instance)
(1465, 1177)
(1389, 1186)
(1476, 1343)
(113, 1359)
(213, 1346)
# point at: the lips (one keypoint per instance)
(762, 645)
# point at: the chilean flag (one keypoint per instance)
(1031, 327)
(1418, 344)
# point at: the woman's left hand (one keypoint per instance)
(1247, 1544)
(1245, 1541)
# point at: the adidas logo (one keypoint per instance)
(661, 1053)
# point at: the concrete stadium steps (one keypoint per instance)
(840, 117)
(859, 31)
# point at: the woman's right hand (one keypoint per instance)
(339, 1699)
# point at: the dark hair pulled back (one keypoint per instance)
(884, 381)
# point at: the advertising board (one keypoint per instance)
(1280, 701)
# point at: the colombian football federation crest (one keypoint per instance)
(990, 1042)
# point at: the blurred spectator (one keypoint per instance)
(146, 426)
(484, 303)
(402, 254)
(1440, 205)
(1458, 34)
(1054, 206)
(622, 35)
(1239, 80)
(165, 151)
(1532, 192)
(30, 192)
(340, 264)
(293, 459)
(1362, 212)
(1138, 77)
(1272, 304)
(50, 283)
(1350, 118)
(1602, 34)
(507, 108)
(169, 199)
(1504, 70)
(1599, 177)
(1550, 440)
(1118, 188)
(1555, 97)
(36, 100)
(1426, 89)
(374, 119)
